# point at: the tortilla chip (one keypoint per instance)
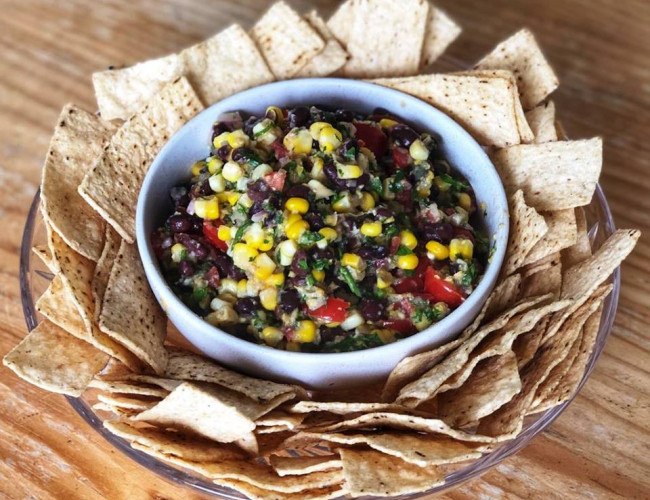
(174, 443)
(185, 365)
(547, 279)
(581, 249)
(229, 58)
(542, 122)
(509, 418)
(280, 418)
(503, 296)
(525, 346)
(561, 234)
(165, 383)
(339, 408)
(493, 383)
(256, 493)
(43, 253)
(386, 38)
(126, 388)
(521, 54)
(53, 360)
(78, 140)
(483, 106)
(286, 40)
(553, 176)
(342, 21)
(370, 472)
(129, 403)
(298, 466)
(332, 57)
(113, 184)
(440, 33)
(103, 269)
(527, 228)
(130, 313)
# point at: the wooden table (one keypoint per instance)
(601, 50)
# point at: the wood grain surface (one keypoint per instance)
(599, 448)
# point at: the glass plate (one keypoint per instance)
(35, 277)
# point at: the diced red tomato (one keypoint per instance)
(403, 326)
(333, 311)
(211, 233)
(407, 285)
(276, 180)
(401, 158)
(405, 197)
(375, 140)
(279, 150)
(441, 290)
(212, 277)
(394, 244)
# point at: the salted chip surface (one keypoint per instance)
(440, 32)
(554, 175)
(545, 279)
(127, 402)
(256, 493)
(43, 253)
(298, 466)
(330, 59)
(369, 472)
(218, 67)
(521, 54)
(561, 234)
(287, 41)
(341, 22)
(113, 184)
(128, 388)
(112, 242)
(581, 249)
(483, 105)
(386, 38)
(130, 314)
(78, 139)
(542, 122)
(54, 360)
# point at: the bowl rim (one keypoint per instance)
(256, 94)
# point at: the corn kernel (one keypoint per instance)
(295, 229)
(349, 171)
(317, 168)
(217, 183)
(387, 123)
(245, 201)
(260, 171)
(232, 197)
(197, 167)
(441, 184)
(276, 279)
(316, 129)
(291, 218)
(371, 228)
(298, 141)
(214, 165)
(275, 114)
(293, 346)
(461, 249)
(297, 205)
(407, 262)
(305, 332)
(267, 242)
(344, 204)
(351, 259)
(207, 208)
(242, 288)
(243, 255)
(465, 201)
(318, 275)
(221, 140)
(438, 250)
(331, 220)
(367, 202)
(269, 298)
(408, 239)
(227, 286)
(264, 266)
(179, 252)
(223, 233)
(254, 235)
(286, 250)
(328, 233)
(237, 139)
(272, 335)
(384, 279)
(418, 151)
(232, 171)
(330, 139)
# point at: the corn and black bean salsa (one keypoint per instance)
(321, 230)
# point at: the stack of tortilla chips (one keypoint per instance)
(526, 351)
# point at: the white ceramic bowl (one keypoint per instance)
(319, 371)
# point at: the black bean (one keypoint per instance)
(219, 128)
(347, 146)
(201, 189)
(237, 274)
(223, 153)
(186, 268)
(441, 167)
(180, 223)
(247, 306)
(299, 264)
(289, 301)
(372, 309)
(442, 232)
(258, 191)
(344, 115)
(241, 155)
(223, 264)
(315, 221)
(298, 117)
(454, 267)
(329, 334)
(299, 191)
(179, 196)
(324, 254)
(403, 135)
(343, 184)
(249, 125)
(195, 248)
(373, 252)
(385, 212)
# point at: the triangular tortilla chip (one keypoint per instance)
(331, 58)
(298, 466)
(581, 250)
(440, 32)
(130, 313)
(386, 38)
(547, 279)
(521, 55)
(542, 122)
(370, 472)
(43, 253)
(256, 493)
(554, 175)
(287, 41)
(128, 403)
(525, 346)
(53, 360)
(483, 106)
(561, 234)
(78, 140)
(112, 242)
(113, 184)
(342, 21)
(128, 388)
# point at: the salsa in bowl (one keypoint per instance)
(315, 229)
(234, 345)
